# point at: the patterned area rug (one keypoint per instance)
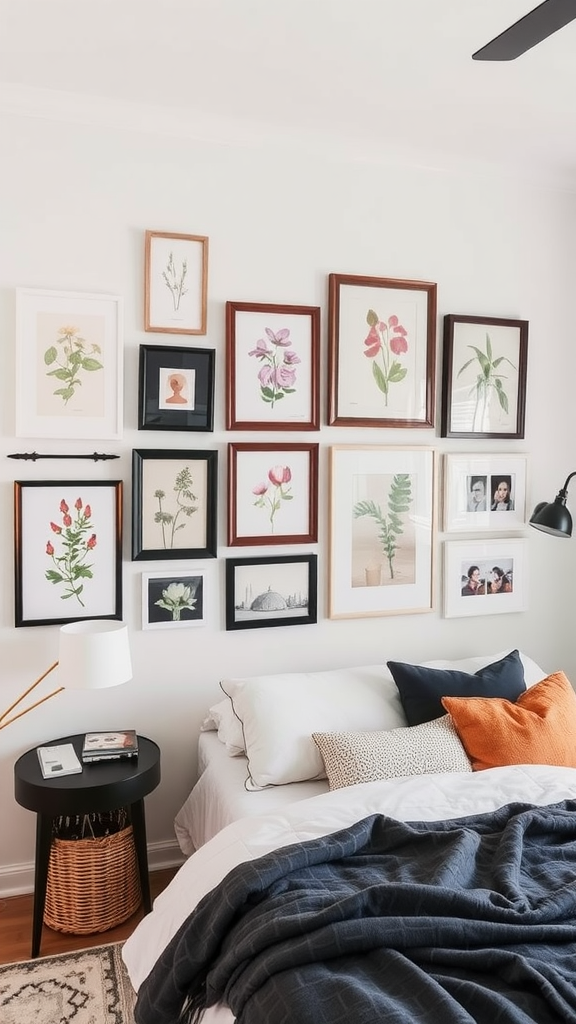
(87, 987)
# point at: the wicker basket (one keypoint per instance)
(93, 883)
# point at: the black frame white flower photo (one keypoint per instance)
(173, 600)
(176, 388)
(484, 377)
(485, 577)
(175, 283)
(174, 504)
(68, 551)
(271, 591)
(272, 493)
(484, 492)
(272, 367)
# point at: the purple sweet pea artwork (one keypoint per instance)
(277, 375)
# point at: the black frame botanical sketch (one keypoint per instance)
(174, 504)
(272, 493)
(382, 519)
(271, 591)
(484, 377)
(176, 388)
(484, 492)
(176, 283)
(173, 600)
(485, 577)
(69, 364)
(272, 367)
(381, 352)
(67, 551)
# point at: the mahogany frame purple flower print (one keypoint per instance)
(381, 352)
(68, 551)
(273, 362)
(272, 493)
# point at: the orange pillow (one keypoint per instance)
(539, 728)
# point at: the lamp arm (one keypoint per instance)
(5, 720)
(564, 490)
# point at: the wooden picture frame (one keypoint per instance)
(382, 520)
(484, 377)
(272, 493)
(176, 388)
(271, 591)
(175, 283)
(381, 352)
(174, 504)
(174, 600)
(484, 492)
(272, 367)
(485, 577)
(67, 551)
(69, 365)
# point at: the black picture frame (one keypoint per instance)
(168, 488)
(187, 407)
(284, 583)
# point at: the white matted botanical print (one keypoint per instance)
(484, 492)
(485, 577)
(173, 600)
(382, 502)
(176, 283)
(68, 365)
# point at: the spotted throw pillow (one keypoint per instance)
(352, 757)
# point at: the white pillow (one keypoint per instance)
(353, 757)
(221, 717)
(280, 712)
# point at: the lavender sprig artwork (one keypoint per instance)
(278, 373)
(385, 340)
(271, 499)
(70, 567)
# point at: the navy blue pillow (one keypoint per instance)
(421, 689)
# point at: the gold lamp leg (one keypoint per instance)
(4, 717)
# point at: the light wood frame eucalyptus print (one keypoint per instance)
(173, 504)
(272, 493)
(176, 283)
(68, 551)
(484, 377)
(381, 352)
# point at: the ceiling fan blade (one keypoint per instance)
(531, 29)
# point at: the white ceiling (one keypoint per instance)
(385, 73)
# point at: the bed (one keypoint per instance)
(254, 917)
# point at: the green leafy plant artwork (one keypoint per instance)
(385, 341)
(70, 357)
(176, 598)
(489, 381)
(174, 278)
(69, 551)
(389, 524)
(185, 505)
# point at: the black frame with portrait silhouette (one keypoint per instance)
(157, 364)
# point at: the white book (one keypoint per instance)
(58, 760)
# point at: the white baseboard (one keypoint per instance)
(17, 879)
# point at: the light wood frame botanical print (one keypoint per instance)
(173, 600)
(382, 514)
(176, 283)
(485, 577)
(484, 492)
(272, 367)
(484, 377)
(271, 591)
(68, 551)
(173, 504)
(69, 362)
(272, 493)
(381, 352)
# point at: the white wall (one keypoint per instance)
(74, 204)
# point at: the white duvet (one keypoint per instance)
(418, 798)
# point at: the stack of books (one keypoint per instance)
(109, 746)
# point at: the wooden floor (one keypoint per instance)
(16, 926)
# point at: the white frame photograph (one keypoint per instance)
(508, 554)
(178, 610)
(470, 476)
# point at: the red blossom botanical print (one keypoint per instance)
(385, 339)
(278, 374)
(271, 500)
(70, 568)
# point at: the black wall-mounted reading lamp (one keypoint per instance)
(553, 516)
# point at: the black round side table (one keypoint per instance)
(104, 786)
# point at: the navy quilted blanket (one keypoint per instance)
(465, 921)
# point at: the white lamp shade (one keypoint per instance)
(94, 654)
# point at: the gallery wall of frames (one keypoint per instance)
(386, 504)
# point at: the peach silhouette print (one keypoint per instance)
(176, 383)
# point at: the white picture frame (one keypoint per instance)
(508, 554)
(183, 597)
(475, 498)
(69, 364)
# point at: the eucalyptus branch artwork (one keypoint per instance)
(174, 278)
(385, 340)
(71, 356)
(390, 525)
(69, 558)
(278, 373)
(489, 381)
(171, 522)
(270, 498)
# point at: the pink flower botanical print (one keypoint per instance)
(385, 340)
(75, 541)
(271, 497)
(278, 373)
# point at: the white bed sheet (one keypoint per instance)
(425, 798)
(219, 796)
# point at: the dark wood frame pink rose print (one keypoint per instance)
(68, 551)
(272, 493)
(381, 351)
(272, 367)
